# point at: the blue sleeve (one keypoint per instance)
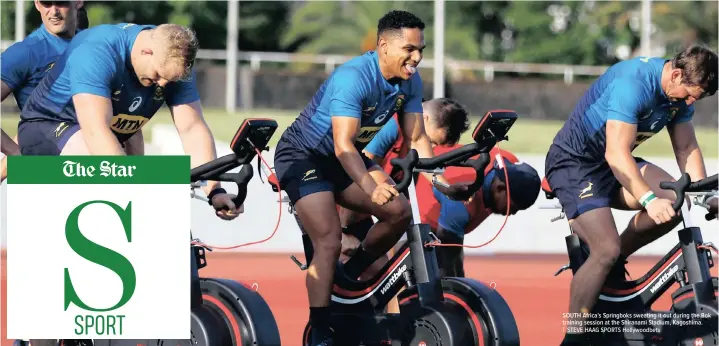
(626, 100)
(685, 116)
(453, 215)
(91, 70)
(384, 139)
(182, 92)
(15, 62)
(348, 88)
(414, 103)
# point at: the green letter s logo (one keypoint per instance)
(100, 255)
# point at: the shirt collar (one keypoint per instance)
(56, 42)
(657, 76)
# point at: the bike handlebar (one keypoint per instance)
(684, 184)
(459, 158)
(217, 170)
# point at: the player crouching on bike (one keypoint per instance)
(109, 82)
(445, 121)
(590, 167)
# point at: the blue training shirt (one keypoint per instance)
(385, 139)
(629, 91)
(25, 63)
(355, 89)
(97, 62)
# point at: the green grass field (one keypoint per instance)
(526, 136)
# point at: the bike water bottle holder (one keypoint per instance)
(200, 258)
(709, 246)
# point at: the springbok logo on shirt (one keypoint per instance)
(673, 112)
(398, 103)
(135, 103)
(159, 94)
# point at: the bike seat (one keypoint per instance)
(547, 190)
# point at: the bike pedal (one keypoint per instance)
(563, 268)
(298, 263)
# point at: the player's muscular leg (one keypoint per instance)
(75, 145)
(348, 217)
(393, 217)
(597, 229)
(641, 229)
(318, 215)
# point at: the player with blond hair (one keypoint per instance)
(110, 81)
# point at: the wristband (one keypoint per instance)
(214, 193)
(647, 198)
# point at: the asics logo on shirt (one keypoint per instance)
(136, 102)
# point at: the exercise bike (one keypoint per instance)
(434, 311)
(224, 312)
(692, 320)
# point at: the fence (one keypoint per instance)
(330, 61)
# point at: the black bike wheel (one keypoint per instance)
(710, 337)
(244, 312)
(486, 315)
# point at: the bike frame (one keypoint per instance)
(685, 264)
(215, 170)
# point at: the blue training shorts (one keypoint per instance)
(301, 174)
(581, 186)
(44, 137)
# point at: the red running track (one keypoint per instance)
(536, 297)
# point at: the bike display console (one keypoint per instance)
(493, 126)
(253, 133)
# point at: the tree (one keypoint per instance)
(350, 28)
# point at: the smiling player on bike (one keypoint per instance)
(445, 120)
(26, 62)
(108, 83)
(319, 165)
(590, 167)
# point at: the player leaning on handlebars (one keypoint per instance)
(319, 164)
(590, 167)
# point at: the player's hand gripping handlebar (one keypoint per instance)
(684, 185)
(217, 170)
(459, 157)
